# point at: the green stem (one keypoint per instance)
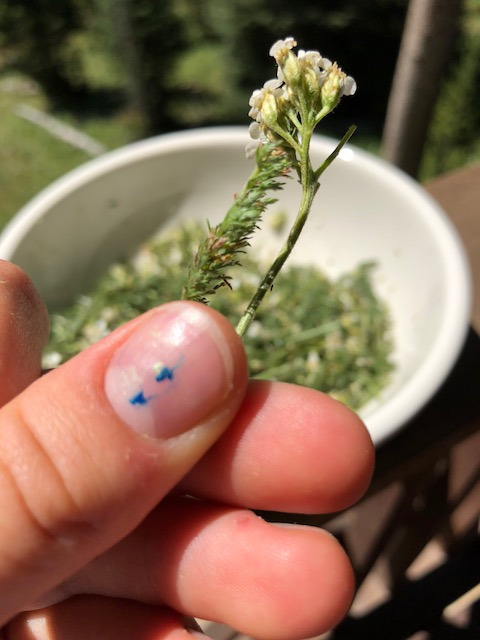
(314, 332)
(309, 189)
(309, 181)
(289, 139)
(335, 152)
(292, 116)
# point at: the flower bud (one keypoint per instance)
(292, 71)
(332, 88)
(312, 84)
(269, 110)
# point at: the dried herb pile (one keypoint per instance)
(330, 335)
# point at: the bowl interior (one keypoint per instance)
(365, 210)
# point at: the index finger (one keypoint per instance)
(290, 449)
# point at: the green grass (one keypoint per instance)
(31, 158)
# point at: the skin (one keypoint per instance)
(97, 538)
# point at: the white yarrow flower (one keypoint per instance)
(349, 86)
(254, 113)
(254, 131)
(251, 149)
(271, 87)
(274, 86)
(311, 57)
(281, 47)
(256, 99)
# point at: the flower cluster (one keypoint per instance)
(306, 89)
(285, 111)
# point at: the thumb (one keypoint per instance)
(90, 448)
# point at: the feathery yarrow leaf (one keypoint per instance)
(224, 242)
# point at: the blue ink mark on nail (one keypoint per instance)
(161, 373)
(165, 374)
(139, 398)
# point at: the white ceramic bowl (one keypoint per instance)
(365, 209)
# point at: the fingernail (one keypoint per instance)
(171, 373)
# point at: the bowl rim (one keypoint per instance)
(386, 419)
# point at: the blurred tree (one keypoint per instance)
(204, 89)
(362, 35)
(454, 135)
(150, 36)
(196, 62)
(200, 24)
(37, 36)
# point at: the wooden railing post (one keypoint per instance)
(426, 45)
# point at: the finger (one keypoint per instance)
(229, 565)
(23, 331)
(87, 617)
(289, 449)
(88, 449)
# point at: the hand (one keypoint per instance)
(98, 538)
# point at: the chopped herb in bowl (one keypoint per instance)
(332, 335)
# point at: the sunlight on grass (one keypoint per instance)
(31, 158)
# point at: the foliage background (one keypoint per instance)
(120, 70)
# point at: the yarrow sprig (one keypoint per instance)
(285, 113)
